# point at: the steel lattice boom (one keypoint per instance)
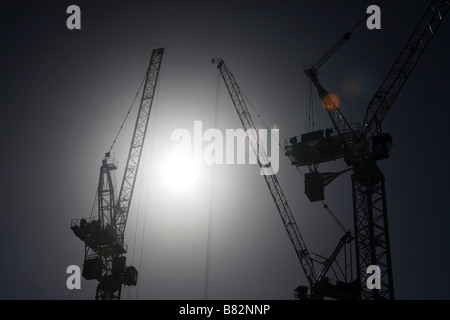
(137, 144)
(271, 179)
(402, 68)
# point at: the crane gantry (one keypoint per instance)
(103, 235)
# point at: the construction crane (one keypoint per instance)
(105, 248)
(361, 147)
(319, 286)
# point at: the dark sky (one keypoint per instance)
(64, 93)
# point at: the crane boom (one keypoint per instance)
(364, 147)
(400, 71)
(137, 144)
(271, 179)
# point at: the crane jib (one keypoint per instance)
(271, 180)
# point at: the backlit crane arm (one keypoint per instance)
(137, 144)
(333, 49)
(271, 179)
(403, 66)
(343, 129)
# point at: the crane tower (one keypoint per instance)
(361, 146)
(103, 235)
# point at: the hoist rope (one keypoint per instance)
(326, 207)
(149, 163)
(334, 217)
(345, 92)
(141, 182)
(126, 116)
(137, 220)
(93, 204)
(307, 105)
(211, 197)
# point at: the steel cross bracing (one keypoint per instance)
(368, 183)
(403, 66)
(137, 144)
(372, 232)
(102, 249)
(271, 179)
(106, 192)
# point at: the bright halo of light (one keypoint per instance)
(179, 171)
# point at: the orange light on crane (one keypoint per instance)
(331, 102)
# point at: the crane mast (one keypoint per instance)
(105, 247)
(271, 179)
(362, 148)
(368, 182)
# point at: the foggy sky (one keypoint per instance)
(64, 94)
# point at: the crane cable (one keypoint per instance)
(345, 92)
(136, 225)
(138, 209)
(126, 116)
(155, 112)
(93, 204)
(311, 107)
(211, 197)
(340, 42)
(326, 206)
(141, 180)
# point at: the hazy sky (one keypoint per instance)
(64, 94)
